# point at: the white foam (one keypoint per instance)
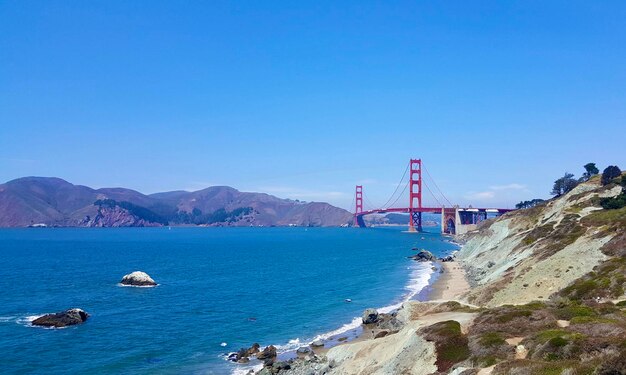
(7, 319)
(136, 286)
(27, 321)
(244, 370)
(419, 278)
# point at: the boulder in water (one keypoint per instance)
(62, 319)
(317, 343)
(369, 316)
(424, 256)
(138, 278)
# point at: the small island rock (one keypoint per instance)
(62, 319)
(369, 316)
(138, 278)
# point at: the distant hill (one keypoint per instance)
(56, 202)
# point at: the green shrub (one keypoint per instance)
(510, 315)
(450, 343)
(569, 312)
(558, 342)
(491, 339)
(614, 203)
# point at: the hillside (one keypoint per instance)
(56, 202)
(533, 253)
(547, 297)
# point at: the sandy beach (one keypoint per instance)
(451, 283)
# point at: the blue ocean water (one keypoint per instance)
(281, 286)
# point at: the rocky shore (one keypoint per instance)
(329, 357)
(536, 291)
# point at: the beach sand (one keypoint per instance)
(451, 284)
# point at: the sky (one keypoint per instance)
(306, 99)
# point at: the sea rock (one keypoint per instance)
(448, 258)
(255, 348)
(138, 278)
(242, 355)
(317, 343)
(268, 353)
(303, 350)
(62, 319)
(369, 316)
(424, 256)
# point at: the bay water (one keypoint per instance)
(219, 289)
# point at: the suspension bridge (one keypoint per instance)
(454, 219)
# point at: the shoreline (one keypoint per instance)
(447, 285)
(450, 284)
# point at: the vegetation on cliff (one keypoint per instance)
(556, 285)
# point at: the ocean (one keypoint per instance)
(219, 289)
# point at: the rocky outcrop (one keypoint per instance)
(115, 217)
(389, 322)
(243, 355)
(62, 319)
(424, 256)
(370, 316)
(138, 278)
(268, 353)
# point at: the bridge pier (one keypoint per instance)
(415, 183)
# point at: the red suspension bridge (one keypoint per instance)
(454, 219)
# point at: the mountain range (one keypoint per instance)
(51, 201)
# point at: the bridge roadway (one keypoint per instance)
(453, 219)
(406, 210)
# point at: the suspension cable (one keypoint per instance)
(433, 195)
(397, 187)
(440, 192)
(369, 203)
(399, 196)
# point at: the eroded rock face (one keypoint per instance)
(138, 278)
(369, 316)
(388, 322)
(62, 319)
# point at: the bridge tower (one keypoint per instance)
(358, 198)
(415, 194)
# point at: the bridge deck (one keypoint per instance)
(431, 209)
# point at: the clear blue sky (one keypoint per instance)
(305, 100)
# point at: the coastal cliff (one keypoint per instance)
(531, 254)
(547, 296)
